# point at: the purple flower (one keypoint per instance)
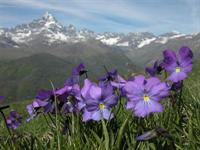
(75, 75)
(156, 69)
(158, 131)
(147, 135)
(179, 65)
(1, 98)
(42, 100)
(79, 70)
(144, 95)
(13, 120)
(176, 86)
(68, 98)
(114, 79)
(109, 76)
(98, 101)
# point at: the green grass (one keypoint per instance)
(182, 123)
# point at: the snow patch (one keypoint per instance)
(20, 37)
(146, 42)
(162, 40)
(1, 31)
(177, 36)
(123, 44)
(110, 41)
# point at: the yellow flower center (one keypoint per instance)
(101, 106)
(146, 98)
(178, 69)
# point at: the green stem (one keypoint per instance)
(57, 126)
(180, 98)
(4, 118)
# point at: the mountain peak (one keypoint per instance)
(48, 16)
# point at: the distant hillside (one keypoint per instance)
(21, 78)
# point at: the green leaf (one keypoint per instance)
(120, 133)
(106, 135)
(98, 139)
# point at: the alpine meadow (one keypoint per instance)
(121, 75)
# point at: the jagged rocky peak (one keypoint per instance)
(47, 29)
(71, 28)
(86, 33)
(169, 34)
(48, 17)
(141, 34)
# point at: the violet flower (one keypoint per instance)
(75, 75)
(156, 69)
(177, 86)
(158, 131)
(14, 120)
(98, 101)
(179, 65)
(68, 98)
(42, 100)
(1, 98)
(113, 78)
(144, 95)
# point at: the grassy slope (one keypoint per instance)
(184, 127)
(21, 78)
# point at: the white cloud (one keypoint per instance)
(113, 14)
(86, 9)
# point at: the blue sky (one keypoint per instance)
(157, 16)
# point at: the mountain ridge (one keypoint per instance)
(52, 32)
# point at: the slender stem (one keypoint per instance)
(57, 127)
(86, 75)
(105, 68)
(180, 97)
(165, 74)
(120, 103)
(51, 119)
(4, 117)
(46, 120)
(4, 107)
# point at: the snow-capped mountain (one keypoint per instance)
(44, 50)
(48, 31)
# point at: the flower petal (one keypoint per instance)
(143, 108)
(86, 115)
(169, 62)
(131, 104)
(176, 77)
(151, 82)
(107, 90)
(139, 80)
(111, 101)
(187, 68)
(86, 87)
(132, 88)
(29, 108)
(107, 114)
(62, 90)
(97, 115)
(1, 98)
(95, 92)
(158, 91)
(185, 54)
(92, 105)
